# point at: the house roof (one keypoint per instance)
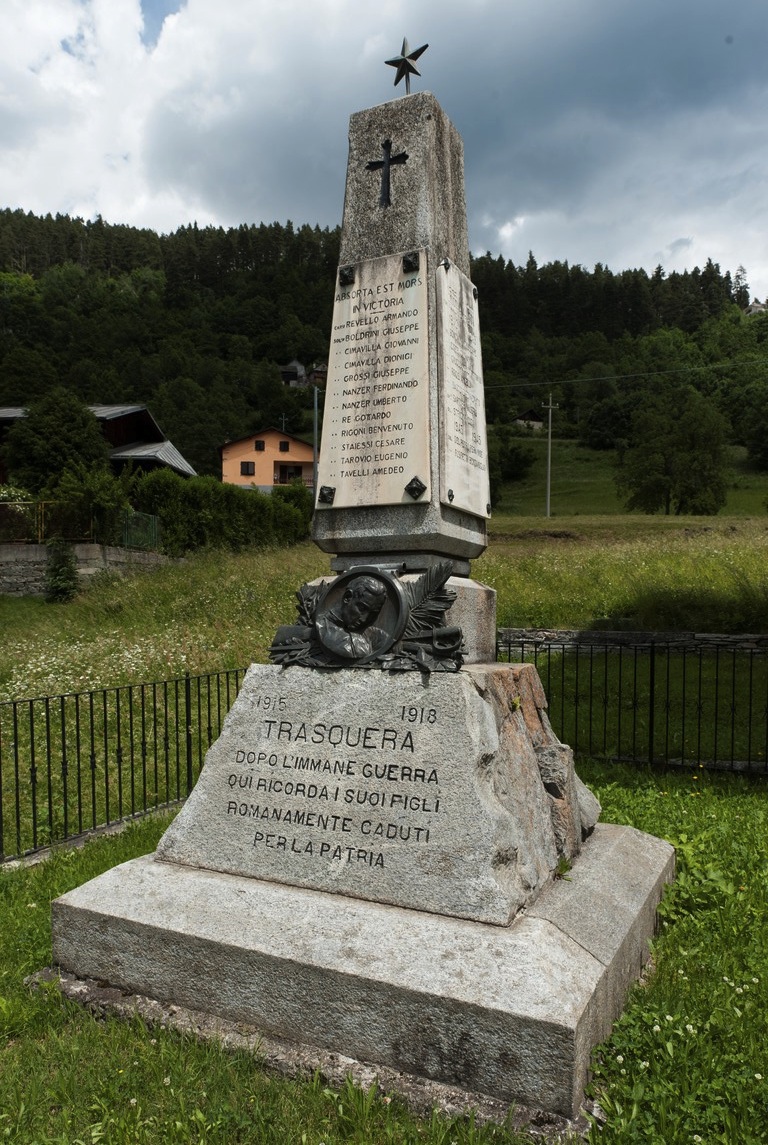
(530, 415)
(138, 416)
(163, 451)
(106, 413)
(151, 445)
(260, 432)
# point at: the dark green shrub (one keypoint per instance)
(287, 522)
(298, 495)
(201, 512)
(160, 493)
(61, 580)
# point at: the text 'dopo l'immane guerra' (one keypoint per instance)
(392, 806)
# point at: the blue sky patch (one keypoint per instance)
(154, 12)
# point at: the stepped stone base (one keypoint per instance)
(512, 1012)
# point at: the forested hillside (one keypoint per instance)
(193, 323)
(190, 324)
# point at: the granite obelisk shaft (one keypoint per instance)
(385, 494)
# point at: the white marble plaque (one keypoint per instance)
(464, 480)
(376, 420)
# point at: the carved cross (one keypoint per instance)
(383, 165)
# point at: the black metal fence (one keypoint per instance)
(41, 521)
(70, 764)
(678, 699)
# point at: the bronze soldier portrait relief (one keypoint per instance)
(348, 630)
(368, 617)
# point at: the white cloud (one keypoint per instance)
(597, 131)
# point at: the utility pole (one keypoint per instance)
(314, 448)
(549, 409)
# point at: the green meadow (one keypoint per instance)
(582, 483)
(216, 610)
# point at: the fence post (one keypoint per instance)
(652, 702)
(188, 714)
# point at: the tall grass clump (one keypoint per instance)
(693, 578)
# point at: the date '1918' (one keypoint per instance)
(418, 715)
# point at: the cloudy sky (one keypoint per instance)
(627, 132)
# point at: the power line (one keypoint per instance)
(623, 377)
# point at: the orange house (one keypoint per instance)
(265, 459)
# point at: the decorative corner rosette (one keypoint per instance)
(371, 618)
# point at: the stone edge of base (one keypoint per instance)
(300, 1060)
(593, 964)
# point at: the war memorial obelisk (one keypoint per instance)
(368, 860)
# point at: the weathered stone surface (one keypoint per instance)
(464, 479)
(508, 1011)
(425, 792)
(23, 566)
(294, 1059)
(376, 435)
(427, 207)
(474, 611)
(426, 216)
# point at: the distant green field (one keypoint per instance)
(582, 483)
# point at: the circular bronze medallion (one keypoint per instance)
(363, 612)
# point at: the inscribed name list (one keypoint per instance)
(376, 419)
(353, 782)
(464, 481)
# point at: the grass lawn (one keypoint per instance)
(687, 1061)
(656, 573)
(218, 610)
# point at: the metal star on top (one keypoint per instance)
(405, 64)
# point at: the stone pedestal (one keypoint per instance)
(512, 1012)
(447, 793)
(370, 858)
(368, 863)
